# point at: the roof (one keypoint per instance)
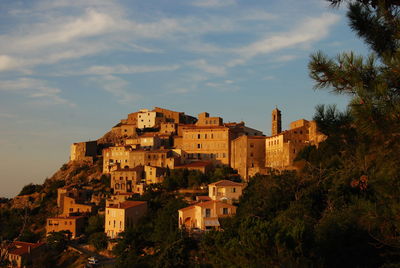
(127, 204)
(65, 217)
(137, 168)
(226, 183)
(195, 164)
(205, 204)
(205, 127)
(129, 194)
(203, 198)
(149, 134)
(22, 248)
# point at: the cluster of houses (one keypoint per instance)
(151, 142)
(75, 205)
(148, 143)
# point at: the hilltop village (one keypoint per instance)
(143, 149)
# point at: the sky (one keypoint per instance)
(72, 69)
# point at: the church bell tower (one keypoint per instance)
(276, 122)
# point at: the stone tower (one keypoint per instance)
(276, 122)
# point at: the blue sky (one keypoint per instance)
(71, 69)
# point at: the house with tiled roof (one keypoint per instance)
(204, 215)
(22, 254)
(123, 215)
(225, 190)
(74, 224)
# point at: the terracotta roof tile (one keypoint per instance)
(127, 204)
(22, 248)
(226, 183)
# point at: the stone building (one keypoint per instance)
(204, 215)
(23, 254)
(123, 215)
(127, 157)
(73, 207)
(276, 121)
(202, 166)
(248, 155)
(282, 148)
(168, 128)
(72, 191)
(154, 174)
(83, 151)
(225, 190)
(125, 180)
(175, 117)
(73, 224)
(115, 199)
(210, 139)
(149, 119)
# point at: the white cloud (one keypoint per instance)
(34, 89)
(118, 87)
(258, 15)
(285, 58)
(310, 30)
(213, 3)
(127, 69)
(208, 68)
(42, 36)
(224, 86)
(268, 77)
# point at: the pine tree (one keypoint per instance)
(373, 81)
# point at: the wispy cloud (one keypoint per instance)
(285, 58)
(213, 3)
(310, 30)
(208, 68)
(118, 87)
(34, 89)
(127, 69)
(226, 85)
(268, 77)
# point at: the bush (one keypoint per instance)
(30, 189)
(99, 240)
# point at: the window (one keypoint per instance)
(233, 190)
(208, 213)
(251, 154)
(198, 136)
(198, 145)
(251, 145)
(225, 211)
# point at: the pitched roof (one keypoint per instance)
(22, 248)
(127, 204)
(65, 217)
(195, 164)
(226, 183)
(203, 198)
(205, 204)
